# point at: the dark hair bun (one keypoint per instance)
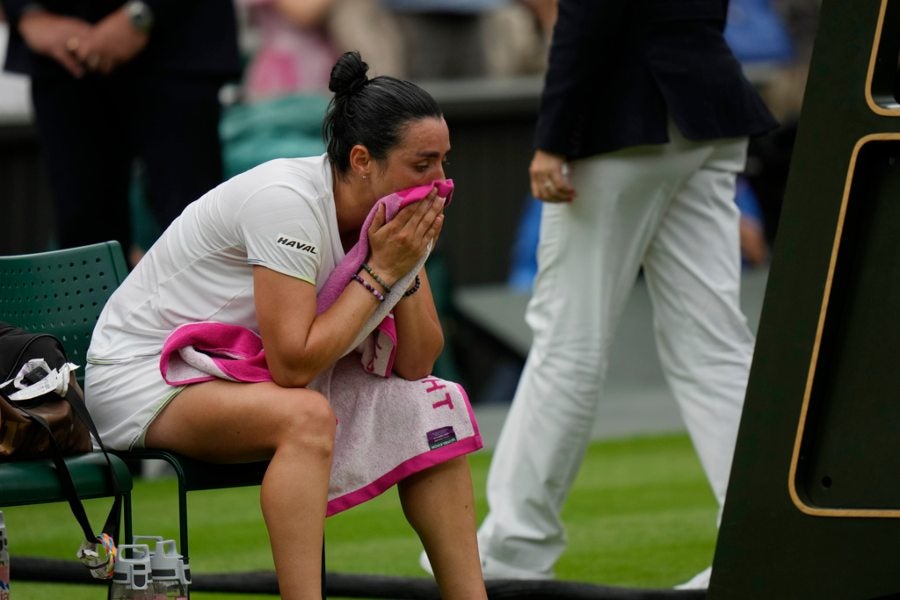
(348, 75)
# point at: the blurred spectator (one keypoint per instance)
(756, 33)
(430, 39)
(291, 51)
(784, 93)
(760, 40)
(770, 155)
(284, 92)
(115, 82)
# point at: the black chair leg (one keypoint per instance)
(323, 570)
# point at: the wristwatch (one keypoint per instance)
(140, 15)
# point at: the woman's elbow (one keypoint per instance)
(412, 373)
(419, 364)
(291, 376)
(290, 380)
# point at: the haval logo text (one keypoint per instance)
(290, 242)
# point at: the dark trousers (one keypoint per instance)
(93, 130)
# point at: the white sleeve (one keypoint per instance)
(283, 231)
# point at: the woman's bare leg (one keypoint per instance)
(224, 422)
(440, 506)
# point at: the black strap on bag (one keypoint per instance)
(101, 566)
(111, 526)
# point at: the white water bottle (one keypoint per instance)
(171, 577)
(131, 578)
(4, 561)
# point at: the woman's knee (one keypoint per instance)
(307, 421)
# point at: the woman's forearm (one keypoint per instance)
(420, 338)
(299, 343)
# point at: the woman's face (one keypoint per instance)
(418, 159)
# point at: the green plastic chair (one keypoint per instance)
(62, 292)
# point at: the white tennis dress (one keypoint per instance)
(279, 215)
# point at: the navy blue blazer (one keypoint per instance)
(620, 69)
(197, 37)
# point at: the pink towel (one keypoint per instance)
(388, 428)
(378, 336)
(355, 257)
(207, 350)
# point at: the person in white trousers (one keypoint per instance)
(669, 209)
(642, 130)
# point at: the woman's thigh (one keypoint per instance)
(224, 421)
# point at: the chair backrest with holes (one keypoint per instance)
(61, 292)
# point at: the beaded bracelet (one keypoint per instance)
(378, 280)
(368, 286)
(413, 289)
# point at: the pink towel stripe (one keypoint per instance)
(402, 471)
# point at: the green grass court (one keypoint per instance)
(640, 514)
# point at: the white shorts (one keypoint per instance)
(124, 398)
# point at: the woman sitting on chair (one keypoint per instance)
(230, 342)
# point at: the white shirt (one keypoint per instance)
(15, 95)
(279, 215)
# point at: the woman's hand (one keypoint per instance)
(396, 246)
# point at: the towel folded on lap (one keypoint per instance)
(388, 427)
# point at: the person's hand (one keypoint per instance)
(396, 246)
(111, 42)
(54, 35)
(549, 181)
(545, 13)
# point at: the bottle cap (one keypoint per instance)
(133, 566)
(167, 565)
(150, 540)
